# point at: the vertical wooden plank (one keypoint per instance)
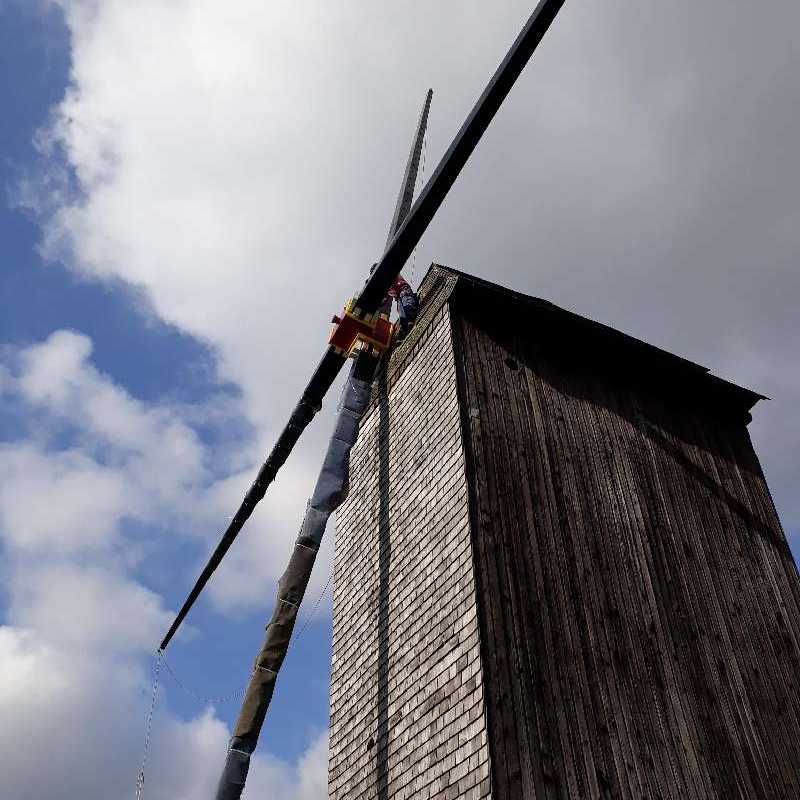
(620, 583)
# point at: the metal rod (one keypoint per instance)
(308, 405)
(387, 269)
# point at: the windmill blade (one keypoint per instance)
(406, 196)
(443, 178)
(371, 296)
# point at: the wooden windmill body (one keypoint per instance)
(559, 571)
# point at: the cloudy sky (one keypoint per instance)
(192, 187)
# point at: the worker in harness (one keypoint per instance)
(407, 305)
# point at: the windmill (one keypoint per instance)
(363, 331)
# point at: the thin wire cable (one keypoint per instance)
(314, 610)
(149, 725)
(235, 694)
(422, 180)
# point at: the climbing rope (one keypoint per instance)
(422, 181)
(149, 724)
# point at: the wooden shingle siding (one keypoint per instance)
(407, 710)
(638, 603)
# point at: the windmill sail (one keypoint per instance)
(406, 196)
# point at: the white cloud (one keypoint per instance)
(189, 760)
(79, 626)
(130, 461)
(23, 655)
(87, 607)
(57, 376)
(60, 502)
(184, 174)
(77, 731)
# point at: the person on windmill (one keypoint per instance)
(407, 305)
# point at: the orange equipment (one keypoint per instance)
(355, 330)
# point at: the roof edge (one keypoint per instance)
(436, 273)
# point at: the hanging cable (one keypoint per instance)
(160, 659)
(148, 728)
(313, 610)
(236, 694)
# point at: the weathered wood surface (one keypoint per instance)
(639, 607)
(559, 573)
(407, 711)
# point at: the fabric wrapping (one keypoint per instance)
(234, 774)
(291, 588)
(332, 483)
(329, 492)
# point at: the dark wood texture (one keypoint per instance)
(638, 605)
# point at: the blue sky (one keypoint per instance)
(132, 349)
(173, 172)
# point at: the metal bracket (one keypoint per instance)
(356, 330)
